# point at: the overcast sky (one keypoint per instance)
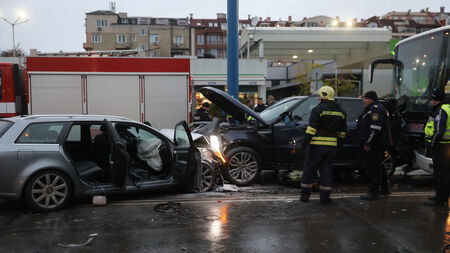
(59, 24)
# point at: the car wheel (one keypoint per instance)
(389, 163)
(48, 191)
(208, 177)
(244, 166)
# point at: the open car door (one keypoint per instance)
(120, 159)
(186, 168)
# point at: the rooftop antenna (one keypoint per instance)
(112, 6)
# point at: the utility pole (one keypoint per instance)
(232, 49)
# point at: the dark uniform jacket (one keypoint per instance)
(260, 108)
(327, 123)
(202, 115)
(371, 125)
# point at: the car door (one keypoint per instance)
(120, 159)
(187, 160)
(289, 133)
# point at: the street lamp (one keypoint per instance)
(20, 20)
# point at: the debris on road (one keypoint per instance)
(75, 245)
(99, 200)
(228, 188)
(168, 207)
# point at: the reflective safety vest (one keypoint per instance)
(429, 128)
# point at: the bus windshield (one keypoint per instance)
(425, 66)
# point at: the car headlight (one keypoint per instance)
(215, 146)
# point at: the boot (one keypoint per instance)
(325, 197)
(304, 194)
(385, 189)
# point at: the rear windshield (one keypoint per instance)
(4, 126)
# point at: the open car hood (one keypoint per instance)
(230, 105)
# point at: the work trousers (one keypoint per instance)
(318, 158)
(375, 172)
(441, 165)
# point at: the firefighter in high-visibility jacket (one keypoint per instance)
(326, 131)
(437, 135)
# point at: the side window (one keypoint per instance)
(138, 133)
(74, 134)
(303, 111)
(41, 133)
(353, 108)
(181, 137)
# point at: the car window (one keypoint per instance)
(353, 108)
(303, 111)
(181, 136)
(271, 114)
(4, 126)
(74, 134)
(136, 132)
(41, 133)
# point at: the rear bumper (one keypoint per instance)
(423, 162)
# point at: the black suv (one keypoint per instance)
(272, 139)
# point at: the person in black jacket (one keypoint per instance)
(202, 113)
(326, 130)
(370, 130)
(260, 106)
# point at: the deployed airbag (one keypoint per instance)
(148, 151)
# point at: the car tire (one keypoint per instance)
(243, 166)
(48, 191)
(208, 177)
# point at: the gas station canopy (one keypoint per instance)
(348, 47)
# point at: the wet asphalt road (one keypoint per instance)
(260, 219)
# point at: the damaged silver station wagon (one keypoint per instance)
(48, 160)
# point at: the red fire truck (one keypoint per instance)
(144, 89)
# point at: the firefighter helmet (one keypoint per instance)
(326, 92)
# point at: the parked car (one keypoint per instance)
(48, 160)
(272, 139)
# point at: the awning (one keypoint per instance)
(348, 47)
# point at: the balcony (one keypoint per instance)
(88, 46)
(122, 46)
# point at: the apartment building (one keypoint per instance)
(158, 37)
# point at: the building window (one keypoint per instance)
(124, 21)
(200, 39)
(210, 24)
(311, 24)
(216, 52)
(372, 25)
(178, 40)
(154, 39)
(155, 53)
(143, 47)
(143, 31)
(201, 52)
(133, 37)
(96, 38)
(121, 39)
(216, 24)
(214, 39)
(102, 23)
